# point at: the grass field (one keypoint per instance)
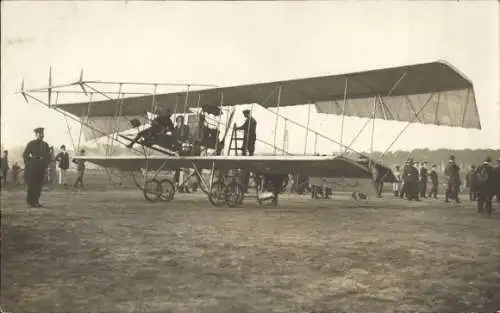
(110, 251)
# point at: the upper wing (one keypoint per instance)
(430, 93)
(311, 166)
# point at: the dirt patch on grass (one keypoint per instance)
(113, 252)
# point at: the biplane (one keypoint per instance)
(429, 93)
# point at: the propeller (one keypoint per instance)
(81, 83)
(22, 91)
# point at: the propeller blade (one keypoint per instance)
(82, 84)
(22, 91)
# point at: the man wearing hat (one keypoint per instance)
(452, 173)
(434, 182)
(63, 159)
(80, 169)
(36, 158)
(485, 187)
(161, 124)
(413, 182)
(404, 178)
(249, 130)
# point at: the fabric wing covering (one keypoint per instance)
(319, 166)
(430, 93)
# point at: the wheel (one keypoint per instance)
(150, 190)
(166, 190)
(216, 194)
(264, 199)
(233, 194)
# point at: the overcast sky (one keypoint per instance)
(225, 43)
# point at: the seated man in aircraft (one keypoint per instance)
(181, 131)
(198, 134)
(160, 125)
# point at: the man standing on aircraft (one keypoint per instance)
(63, 159)
(452, 173)
(485, 180)
(159, 125)
(424, 176)
(249, 128)
(36, 158)
(434, 182)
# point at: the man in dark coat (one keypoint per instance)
(485, 186)
(452, 173)
(424, 177)
(80, 169)
(434, 182)
(5, 166)
(413, 182)
(404, 177)
(181, 134)
(471, 183)
(497, 180)
(249, 128)
(36, 158)
(63, 163)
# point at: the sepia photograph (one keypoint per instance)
(250, 156)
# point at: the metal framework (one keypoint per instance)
(385, 100)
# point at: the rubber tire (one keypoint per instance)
(222, 200)
(161, 190)
(233, 188)
(147, 195)
(267, 202)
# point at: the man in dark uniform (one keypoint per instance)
(424, 177)
(36, 158)
(452, 173)
(159, 125)
(485, 181)
(434, 182)
(250, 133)
(497, 180)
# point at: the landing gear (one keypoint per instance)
(234, 194)
(150, 190)
(216, 194)
(166, 190)
(155, 190)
